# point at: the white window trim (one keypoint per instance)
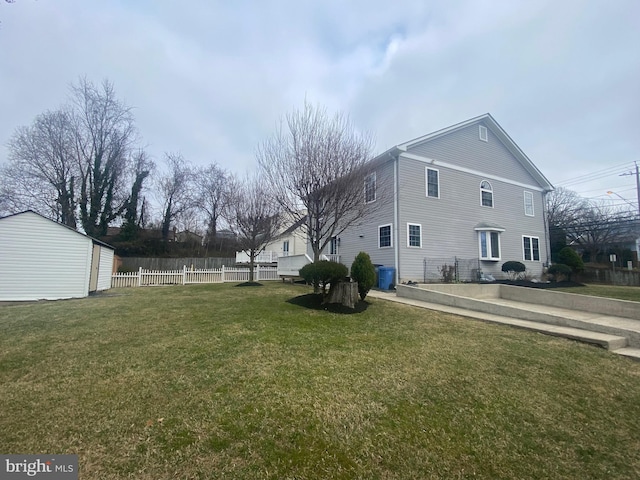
(529, 194)
(490, 190)
(426, 181)
(489, 230)
(408, 237)
(375, 188)
(483, 133)
(390, 225)
(524, 257)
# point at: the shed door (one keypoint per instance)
(95, 266)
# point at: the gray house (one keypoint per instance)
(463, 196)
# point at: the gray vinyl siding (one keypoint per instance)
(364, 237)
(465, 149)
(448, 223)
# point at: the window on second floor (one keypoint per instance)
(384, 236)
(531, 248)
(528, 204)
(433, 183)
(486, 194)
(285, 248)
(333, 246)
(370, 188)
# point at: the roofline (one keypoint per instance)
(94, 240)
(497, 130)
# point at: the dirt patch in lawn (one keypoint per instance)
(313, 301)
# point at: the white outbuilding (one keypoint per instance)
(44, 260)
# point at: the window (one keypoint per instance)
(433, 183)
(370, 188)
(333, 246)
(489, 241)
(531, 247)
(384, 236)
(486, 194)
(414, 235)
(528, 204)
(285, 248)
(484, 135)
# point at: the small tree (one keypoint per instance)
(363, 272)
(559, 271)
(253, 216)
(322, 273)
(569, 257)
(513, 269)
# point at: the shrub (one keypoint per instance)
(560, 270)
(569, 257)
(447, 273)
(321, 273)
(514, 269)
(363, 272)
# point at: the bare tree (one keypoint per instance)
(175, 190)
(316, 165)
(104, 134)
(42, 170)
(212, 184)
(253, 215)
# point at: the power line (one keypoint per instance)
(587, 177)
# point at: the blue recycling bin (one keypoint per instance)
(386, 277)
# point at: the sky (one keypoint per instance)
(213, 79)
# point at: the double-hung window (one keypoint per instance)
(433, 183)
(384, 236)
(531, 248)
(370, 188)
(285, 248)
(486, 194)
(528, 204)
(414, 235)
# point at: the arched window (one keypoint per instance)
(486, 194)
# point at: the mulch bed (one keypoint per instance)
(313, 301)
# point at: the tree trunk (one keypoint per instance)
(345, 293)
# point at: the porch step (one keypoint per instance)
(629, 352)
(614, 343)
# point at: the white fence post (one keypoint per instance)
(140, 276)
(222, 274)
(258, 272)
(184, 274)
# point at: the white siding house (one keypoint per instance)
(42, 259)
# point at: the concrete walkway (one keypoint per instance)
(577, 325)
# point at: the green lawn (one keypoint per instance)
(217, 381)
(610, 291)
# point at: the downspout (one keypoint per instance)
(396, 215)
(547, 233)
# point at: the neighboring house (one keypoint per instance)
(291, 241)
(466, 192)
(43, 259)
(187, 236)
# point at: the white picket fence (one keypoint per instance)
(147, 278)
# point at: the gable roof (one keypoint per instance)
(94, 240)
(488, 121)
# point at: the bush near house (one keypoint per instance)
(569, 257)
(560, 272)
(514, 269)
(363, 272)
(322, 273)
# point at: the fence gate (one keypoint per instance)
(451, 269)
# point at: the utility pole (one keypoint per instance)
(637, 175)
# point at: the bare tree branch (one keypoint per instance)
(316, 165)
(175, 190)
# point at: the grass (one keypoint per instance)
(609, 291)
(214, 381)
